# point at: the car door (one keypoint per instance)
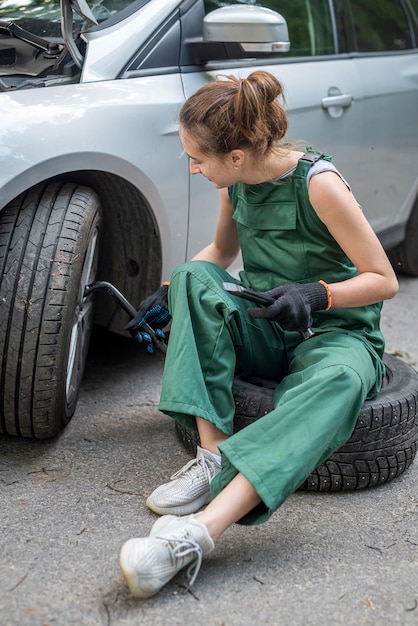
(381, 39)
(323, 95)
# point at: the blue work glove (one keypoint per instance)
(293, 305)
(153, 311)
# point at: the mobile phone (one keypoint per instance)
(248, 294)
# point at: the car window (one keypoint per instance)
(380, 26)
(308, 21)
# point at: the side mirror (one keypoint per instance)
(256, 29)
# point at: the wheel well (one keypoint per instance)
(130, 254)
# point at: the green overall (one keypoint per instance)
(321, 382)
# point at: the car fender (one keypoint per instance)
(110, 127)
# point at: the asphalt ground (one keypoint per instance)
(67, 506)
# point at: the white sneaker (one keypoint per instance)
(189, 488)
(174, 542)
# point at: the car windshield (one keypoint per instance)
(43, 17)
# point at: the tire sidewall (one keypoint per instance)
(92, 221)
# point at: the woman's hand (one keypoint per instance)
(154, 312)
(293, 305)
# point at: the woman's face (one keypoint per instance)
(218, 170)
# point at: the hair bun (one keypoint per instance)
(236, 113)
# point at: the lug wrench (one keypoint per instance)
(128, 307)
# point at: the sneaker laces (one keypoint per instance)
(192, 468)
(180, 549)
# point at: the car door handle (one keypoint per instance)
(344, 100)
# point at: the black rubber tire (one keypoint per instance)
(382, 446)
(404, 257)
(49, 241)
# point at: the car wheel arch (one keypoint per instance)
(131, 255)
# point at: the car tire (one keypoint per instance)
(382, 446)
(49, 244)
(404, 257)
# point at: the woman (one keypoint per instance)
(305, 241)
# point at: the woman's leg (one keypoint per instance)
(316, 408)
(315, 412)
(148, 563)
(234, 502)
(211, 334)
(210, 436)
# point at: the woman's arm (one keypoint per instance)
(338, 210)
(225, 247)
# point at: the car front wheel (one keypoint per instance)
(49, 243)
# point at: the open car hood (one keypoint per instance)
(36, 59)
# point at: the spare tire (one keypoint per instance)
(382, 445)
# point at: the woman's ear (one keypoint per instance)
(237, 157)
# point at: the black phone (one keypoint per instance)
(248, 294)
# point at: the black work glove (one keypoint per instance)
(293, 305)
(154, 312)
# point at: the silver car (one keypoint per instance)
(93, 180)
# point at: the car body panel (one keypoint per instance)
(46, 133)
(390, 134)
(110, 49)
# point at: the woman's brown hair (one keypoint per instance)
(236, 113)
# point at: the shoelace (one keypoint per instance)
(192, 467)
(181, 548)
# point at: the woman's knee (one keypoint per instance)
(201, 270)
(348, 376)
(200, 284)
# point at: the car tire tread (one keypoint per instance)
(43, 236)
